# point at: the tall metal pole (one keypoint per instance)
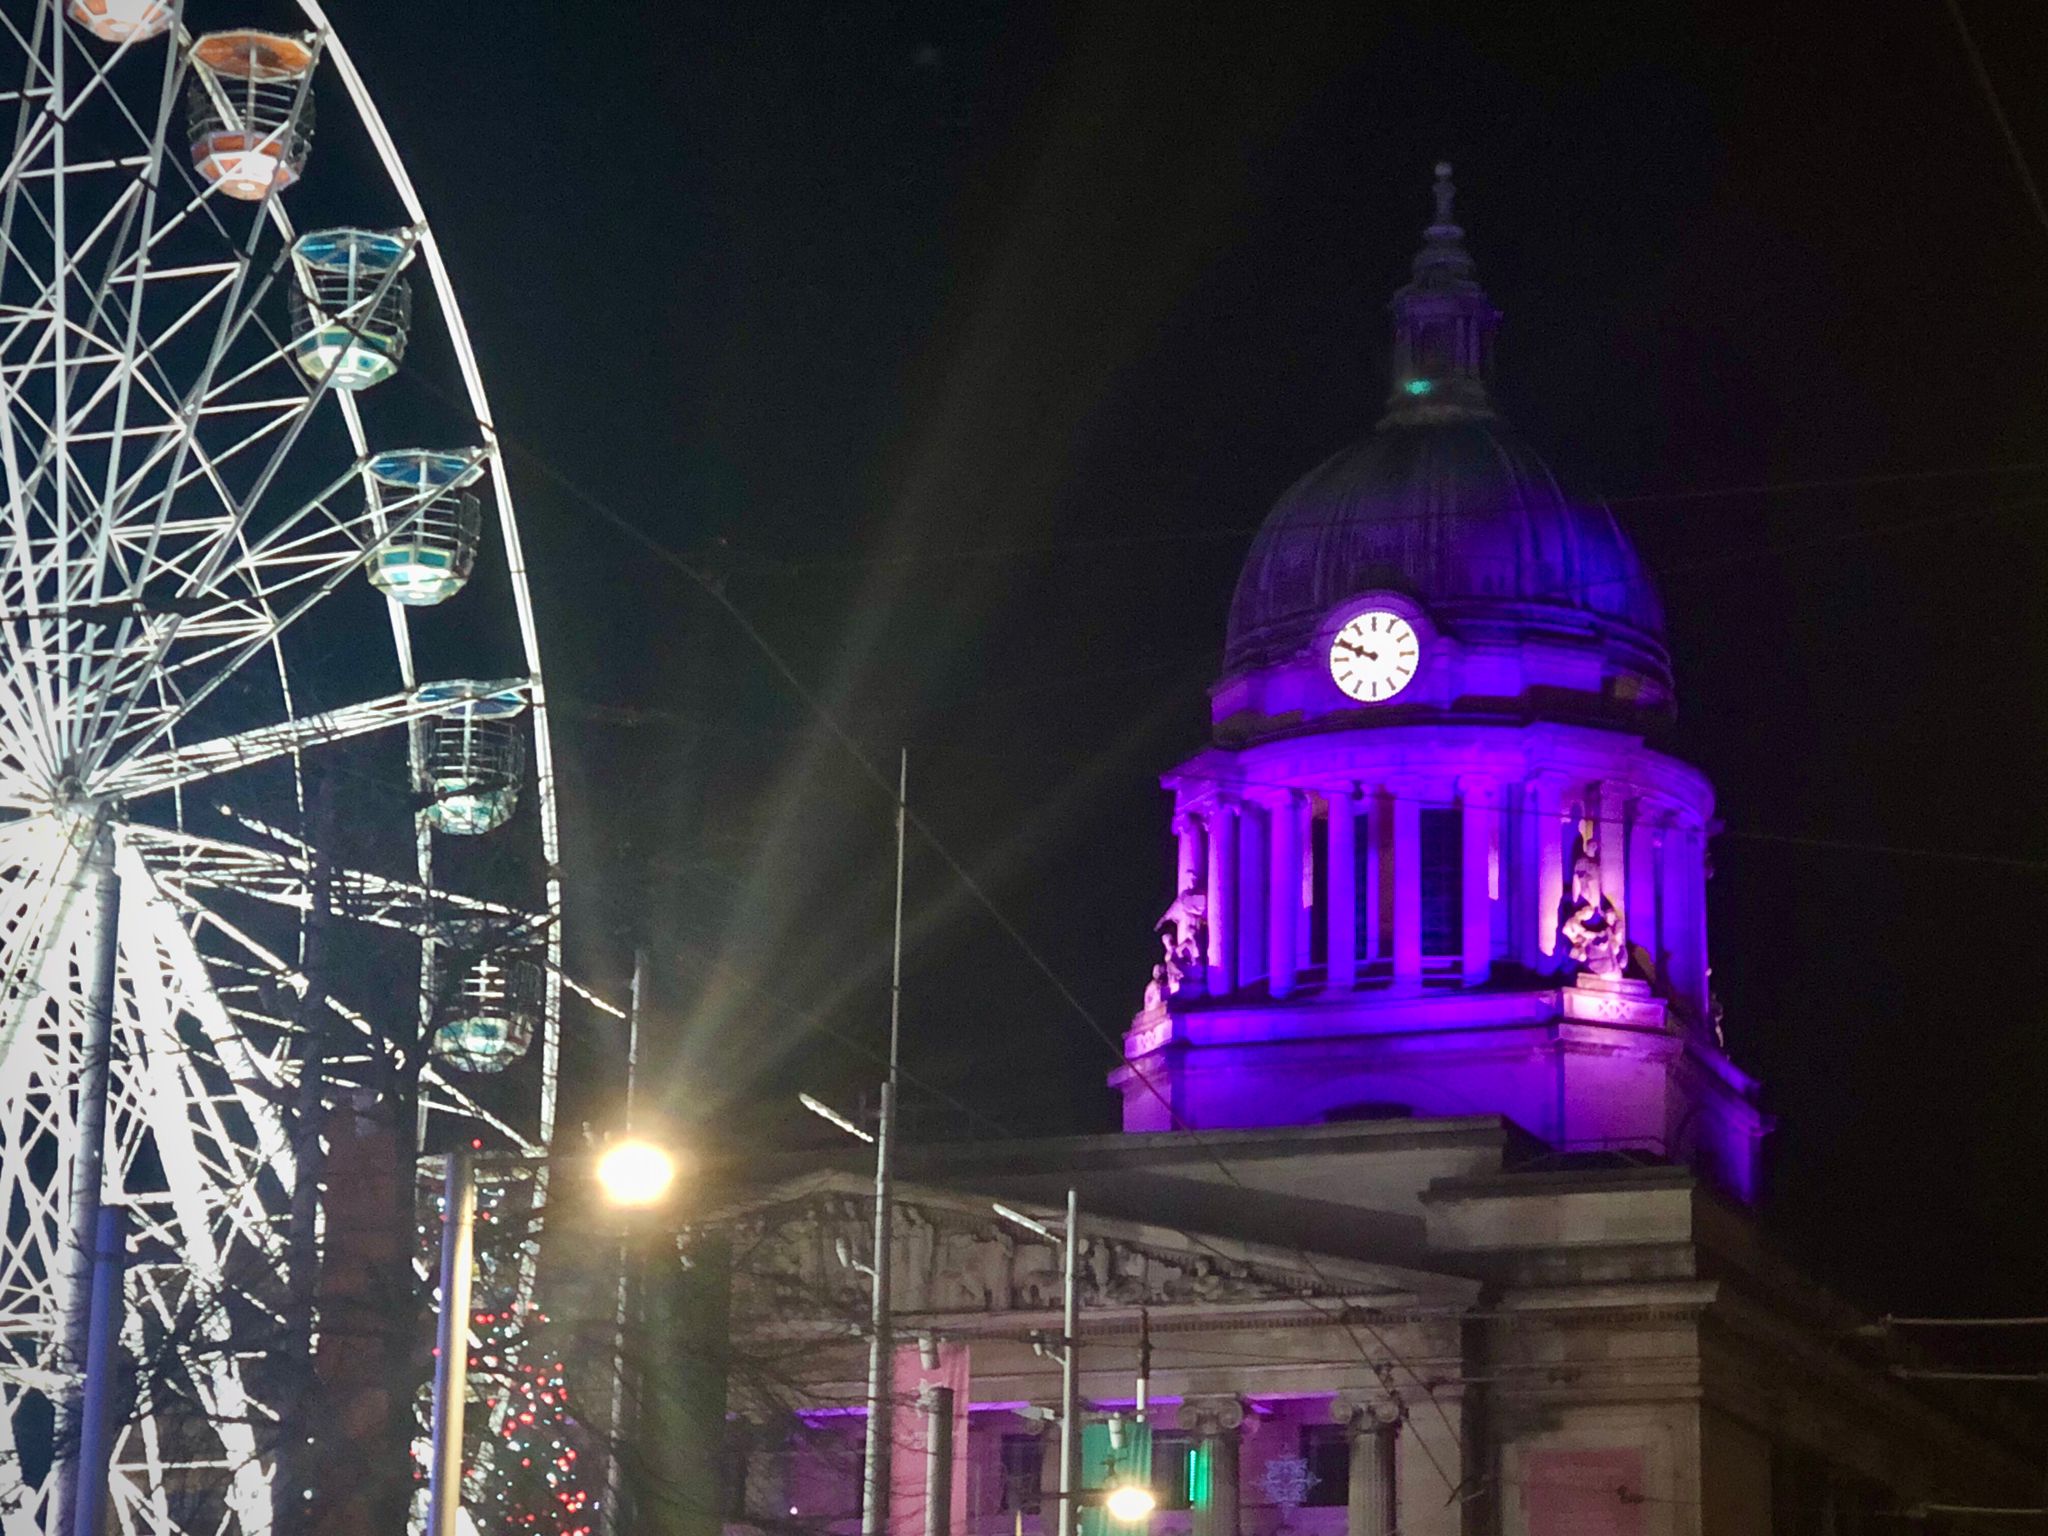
(451, 1352)
(874, 1510)
(102, 883)
(633, 1030)
(615, 1467)
(1070, 1367)
(102, 1359)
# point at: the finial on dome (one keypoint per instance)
(1443, 325)
(1445, 192)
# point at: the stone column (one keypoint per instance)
(1371, 1505)
(1342, 893)
(1214, 1422)
(1187, 868)
(1372, 828)
(1645, 832)
(1283, 893)
(1222, 897)
(1305, 887)
(1685, 907)
(1546, 817)
(1405, 808)
(1479, 824)
(1612, 830)
(1249, 946)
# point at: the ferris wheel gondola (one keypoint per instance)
(201, 513)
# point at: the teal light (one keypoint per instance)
(1418, 386)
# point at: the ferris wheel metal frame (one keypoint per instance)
(152, 563)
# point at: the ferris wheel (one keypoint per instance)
(268, 672)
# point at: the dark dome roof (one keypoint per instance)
(1456, 512)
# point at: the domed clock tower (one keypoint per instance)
(1430, 864)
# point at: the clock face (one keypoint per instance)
(1374, 655)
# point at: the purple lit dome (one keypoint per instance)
(1445, 504)
(1456, 512)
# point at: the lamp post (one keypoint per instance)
(874, 1504)
(631, 1174)
(1070, 1428)
(451, 1343)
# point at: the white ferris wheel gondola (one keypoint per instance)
(196, 513)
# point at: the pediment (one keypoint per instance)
(805, 1238)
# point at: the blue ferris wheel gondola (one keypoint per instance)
(351, 309)
(428, 524)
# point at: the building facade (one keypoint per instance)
(1430, 1210)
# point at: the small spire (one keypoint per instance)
(1443, 325)
(1445, 192)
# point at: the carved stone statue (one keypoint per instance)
(1593, 924)
(1183, 932)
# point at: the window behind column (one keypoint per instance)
(1173, 1453)
(1442, 860)
(1327, 1450)
(1317, 885)
(1023, 1472)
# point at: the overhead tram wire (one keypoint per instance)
(2018, 155)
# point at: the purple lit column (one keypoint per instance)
(1371, 825)
(1188, 861)
(1685, 913)
(1613, 835)
(1546, 820)
(1645, 831)
(1248, 947)
(1305, 890)
(1479, 821)
(1342, 892)
(1405, 810)
(1284, 894)
(1222, 897)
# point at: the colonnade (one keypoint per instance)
(1372, 1426)
(1406, 882)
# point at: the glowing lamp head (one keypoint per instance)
(635, 1174)
(1130, 1503)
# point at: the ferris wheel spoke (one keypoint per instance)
(178, 767)
(283, 878)
(310, 553)
(306, 568)
(443, 1093)
(43, 885)
(215, 553)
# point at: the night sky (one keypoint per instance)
(965, 345)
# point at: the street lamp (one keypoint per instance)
(1130, 1503)
(635, 1174)
(632, 1174)
(874, 1503)
(1069, 1240)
